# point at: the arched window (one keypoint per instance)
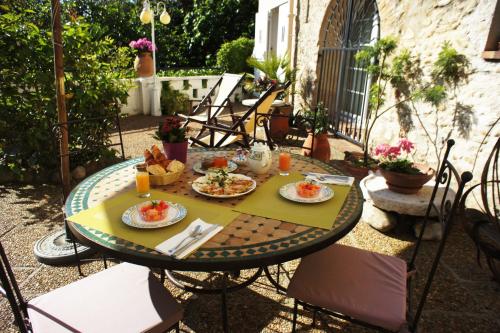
(342, 84)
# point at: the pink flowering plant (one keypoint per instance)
(171, 130)
(142, 45)
(397, 158)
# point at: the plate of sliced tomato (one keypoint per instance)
(153, 214)
(306, 192)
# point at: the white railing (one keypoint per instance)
(195, 87)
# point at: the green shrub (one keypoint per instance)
(173, 101)
(232, 56)
(27, 95)
(191, 72)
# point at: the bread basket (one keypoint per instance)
(165, 179)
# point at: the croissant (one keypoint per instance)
(148, 156)
(164, 163)
(157, 154)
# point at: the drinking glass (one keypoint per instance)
(142, 183)
(285, 161)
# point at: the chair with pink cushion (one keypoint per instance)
(372, 289)
(123, 298)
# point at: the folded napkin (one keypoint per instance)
(325, 178)
(206, 232)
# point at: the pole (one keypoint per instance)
(61, 105)
(155, 89)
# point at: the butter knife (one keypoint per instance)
(194, 240)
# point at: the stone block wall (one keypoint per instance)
(422, 26)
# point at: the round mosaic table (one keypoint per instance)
(247, 242)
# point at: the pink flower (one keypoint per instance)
(393, 151)
(406, 145)
(382, 149)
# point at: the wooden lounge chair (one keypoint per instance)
(207, 111)
(369, 288)
(243, 129)
(123, 298)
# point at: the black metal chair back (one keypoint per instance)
(10, 289)
(446, 208)
(68, 125)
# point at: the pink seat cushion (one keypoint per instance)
(123, 298)
(361, 284)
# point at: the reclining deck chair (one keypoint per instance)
(372, 289)
(243, 127)
(207, 111)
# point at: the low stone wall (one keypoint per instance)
(196, 87)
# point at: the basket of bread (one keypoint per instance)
(162, 171)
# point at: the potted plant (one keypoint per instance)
(316, 144)
(401, 174)
(405, 75)
(173, 137)
(143, 63)
(275, 70)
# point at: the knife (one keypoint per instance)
(343, 179)
(194, 240)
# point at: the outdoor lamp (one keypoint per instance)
(146, 14)
(164, 17)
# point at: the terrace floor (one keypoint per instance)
(462, 299)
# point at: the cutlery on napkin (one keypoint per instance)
(185, 242)
(325, 178)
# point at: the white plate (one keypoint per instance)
(231, 166)
(196, 187)
(289, 192)
(175, 213)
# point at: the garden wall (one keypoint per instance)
(422, 26)
(196, 87)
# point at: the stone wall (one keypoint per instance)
(422, 26)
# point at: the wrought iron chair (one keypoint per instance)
(483, 224)
(123, 298)
(207, 111)
(372, 289)
(243, 129)
(68, 251)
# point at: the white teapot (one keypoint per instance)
(260, 158)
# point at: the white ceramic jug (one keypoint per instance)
(260, 158)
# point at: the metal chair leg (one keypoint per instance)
(224, 305)
(278, 277)
(162, 276)
(313, 325)
(77, 256)
(295, 309)
(177, 328)
(104, 261)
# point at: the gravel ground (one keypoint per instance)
(463, 297)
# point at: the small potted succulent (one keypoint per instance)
(143, 63)
(173, 136)
(401, 174)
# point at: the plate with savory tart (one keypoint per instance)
(306, 192)
(214, 164)
(221, 184)
(154, 214)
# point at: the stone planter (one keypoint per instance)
(321, 148)
(176, 151)
(406, 183)
(143, 64)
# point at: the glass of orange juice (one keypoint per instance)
(285, 161)
(142, 183)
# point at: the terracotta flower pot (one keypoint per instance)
(359, 172)
(279, 126)
(176, 151)
(406, 183)
(143, 64)
(321, 148)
